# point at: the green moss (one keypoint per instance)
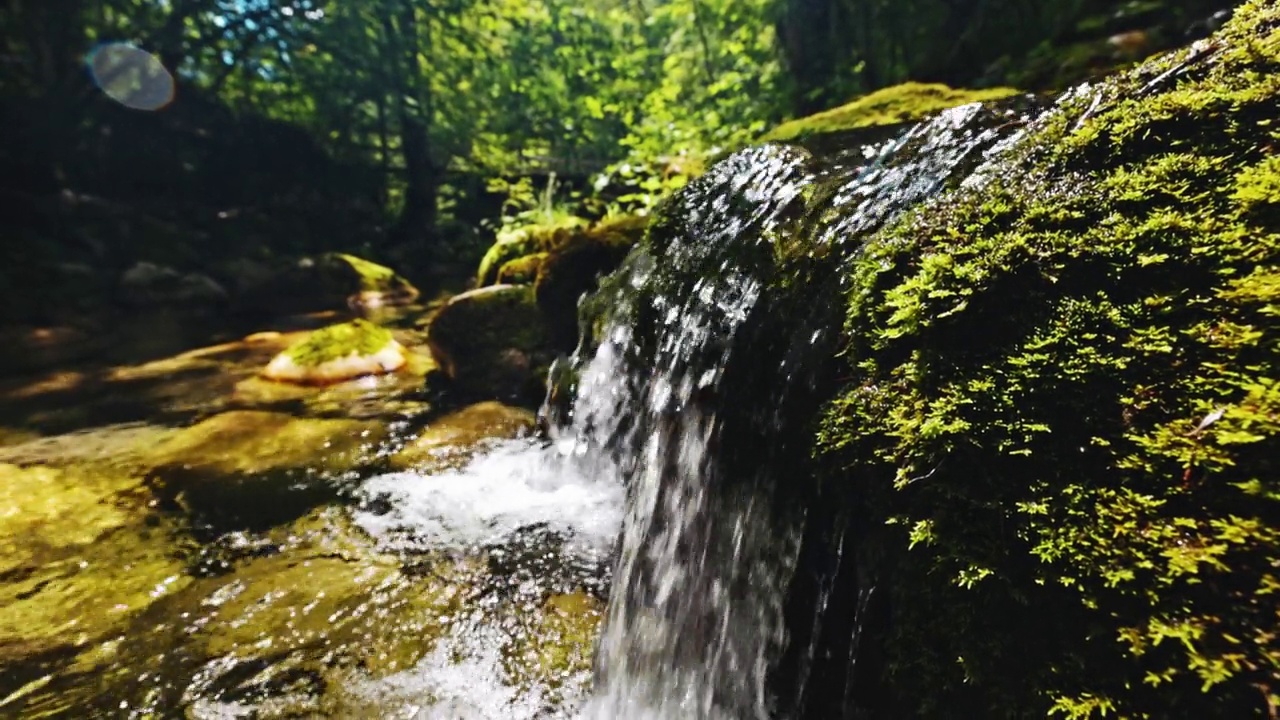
(522, 270)
(520, 242)
(889, 106)
(574, 267)
(373, 277)
(1064, 405)
(358, 337)
(493, 343)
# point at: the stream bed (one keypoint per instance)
(183, 539)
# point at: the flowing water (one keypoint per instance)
(299, 569)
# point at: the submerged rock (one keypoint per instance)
(493, 342)
(81, 554)
(253, 442)
(337, 353)
(458, 435)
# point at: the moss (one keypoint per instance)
(493, 343)
(1064, 404)
(520, 242)
(889, 106)
(522, 270)
(574, 267)
(358, 337)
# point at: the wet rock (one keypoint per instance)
(456, 436)
(254, 469)
(80, 554)
(492, 342)
(249, 442)
(337, 353)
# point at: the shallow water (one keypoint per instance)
(187, 540)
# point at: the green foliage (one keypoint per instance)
(358, 337)
(1064, 399)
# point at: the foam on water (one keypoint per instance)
(516, 484)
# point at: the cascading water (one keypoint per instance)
(716, 339)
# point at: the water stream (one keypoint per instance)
(476, 586)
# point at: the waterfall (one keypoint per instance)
(703, 362)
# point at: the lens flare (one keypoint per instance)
(131, 76)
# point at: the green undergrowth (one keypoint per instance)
(903, 103)
(1062, 407)
(358, 337)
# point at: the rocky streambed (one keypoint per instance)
(184, 538)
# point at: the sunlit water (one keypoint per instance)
(478, 591)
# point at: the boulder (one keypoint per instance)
(493, 342)
(149, 285)
(457, 435)
(337, 353)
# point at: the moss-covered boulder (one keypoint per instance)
(456, 436)
(338, 352)
(908, 102)
(574, 268)
(493, 342)
(1061, 412)
(522, 270)
(519, 242)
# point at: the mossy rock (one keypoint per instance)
(338, 352)
(522, 270)
(574, 268)
(520, 242)
(1062, 397)
(329, 282)
(908, 102)
(379, 286)
(456, 436)
(493, 343)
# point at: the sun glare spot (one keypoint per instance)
(131, 76)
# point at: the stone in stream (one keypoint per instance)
(338, 352)
(457, 436)
(81, 553)
(254, 469)
(493, 342)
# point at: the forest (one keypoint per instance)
(411, 132)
